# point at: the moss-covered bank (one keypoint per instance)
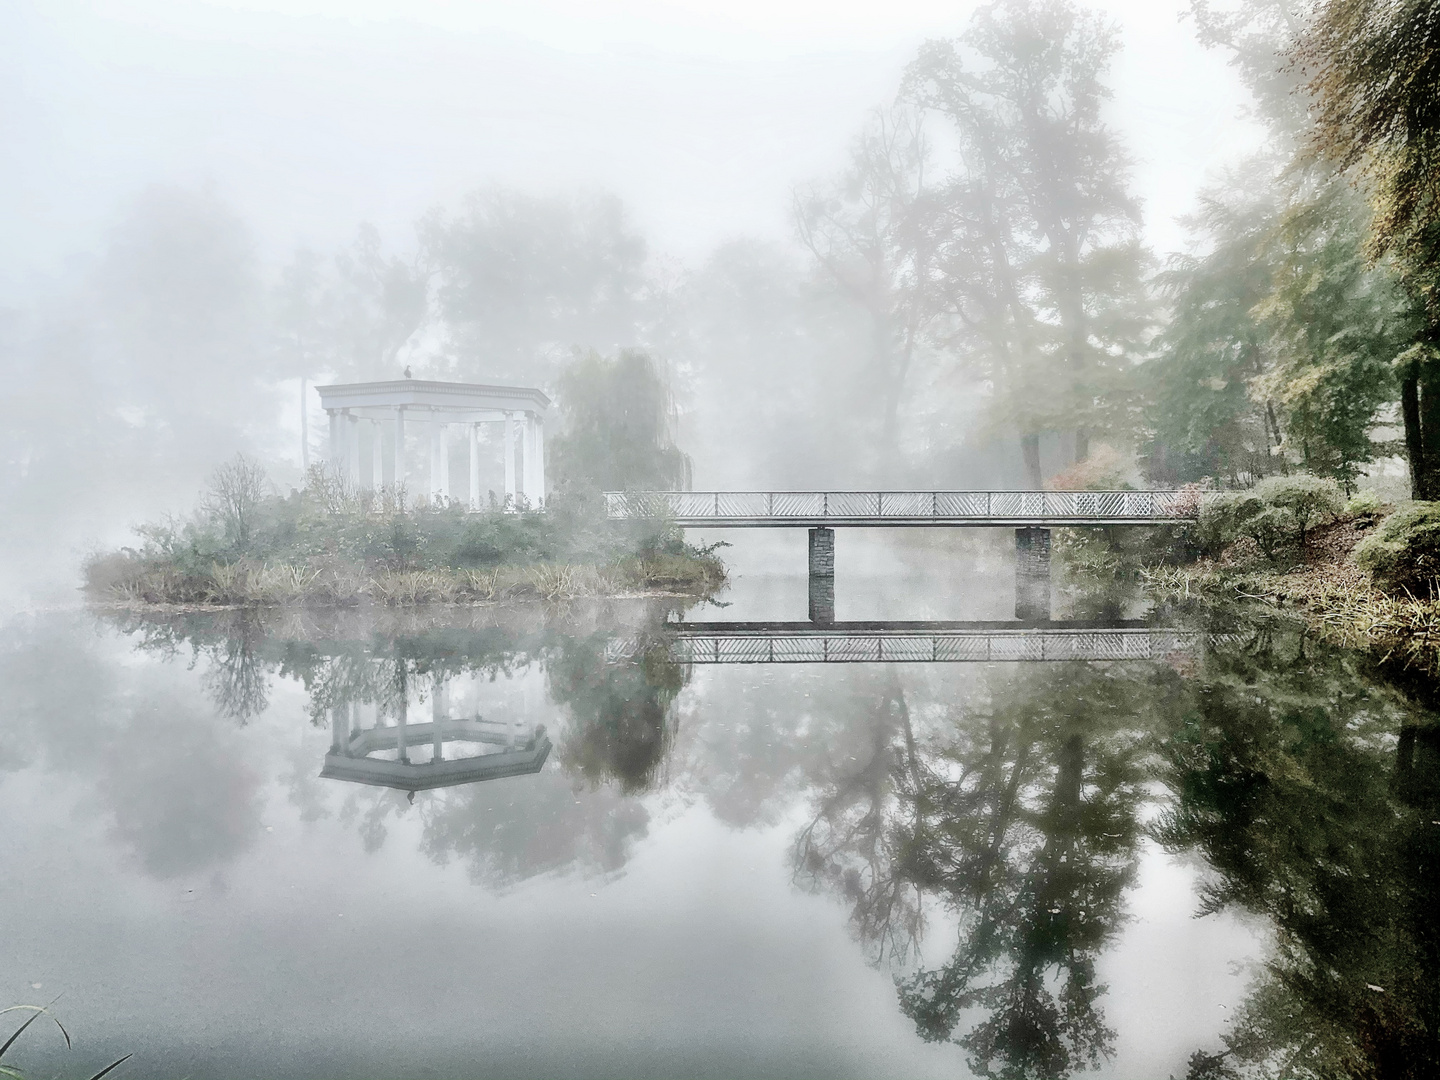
(1322, 582)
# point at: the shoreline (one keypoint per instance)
(1326, 589)
(369, 604)
(133, 582)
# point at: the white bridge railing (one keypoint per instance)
(817, 508)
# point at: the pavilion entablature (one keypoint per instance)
(374, 436)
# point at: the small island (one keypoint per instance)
(356, 531)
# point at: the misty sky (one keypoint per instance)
(314, 115)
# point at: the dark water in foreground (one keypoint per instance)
(619, 862)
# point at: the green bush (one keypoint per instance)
(1277, 514)
(1404, 553)
(1364, 507)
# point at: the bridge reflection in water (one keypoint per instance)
(414, 725)
(913, 642)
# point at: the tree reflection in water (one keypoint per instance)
(1010, 813)
(1311, 786)
(622, 728)
(1017, 814)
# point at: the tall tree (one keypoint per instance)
(1333, 324)
(1041, 261)
(1204, 421)
(522, 280)
(1374, 76)
(775, 355)
(872, 235)
(1282, 332)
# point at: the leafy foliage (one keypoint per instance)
(1277, 514)
(1404, 553)
(618, 427)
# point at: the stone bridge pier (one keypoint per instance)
(822, 576)
(1032, 574)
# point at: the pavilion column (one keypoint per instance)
(442, 449)
(352, 449)
(531, 486)
(434, 485)
(474, 441)
(510, 500)
(337, 433)
(538, 443)
(400, 475)
(437, 720)
(377, 455)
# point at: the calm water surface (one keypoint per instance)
(543, 843)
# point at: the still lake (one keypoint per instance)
(566, 842)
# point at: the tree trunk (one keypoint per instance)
(1082, 445)
(1030, 449)
(1429, 432)
(1414, 444)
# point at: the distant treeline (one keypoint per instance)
(970, 302)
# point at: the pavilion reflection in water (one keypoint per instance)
(447, 749)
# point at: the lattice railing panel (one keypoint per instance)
(852, 504)
(903, 649)
(742, 504)
(797, 503)
(799, 649)
(971, 647)
(962, 503)
(906, 503)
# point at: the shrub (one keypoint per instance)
(1277, 514)
(237, 491)
(1364, 508)
(1404, 553)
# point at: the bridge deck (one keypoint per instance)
(830, 509)
(851, 643)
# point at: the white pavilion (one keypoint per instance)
(378, 424)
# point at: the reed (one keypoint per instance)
(36, 1012)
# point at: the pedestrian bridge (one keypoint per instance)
(910, 642)
(1032, 514)
(830, 509)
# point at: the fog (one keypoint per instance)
(204, 203)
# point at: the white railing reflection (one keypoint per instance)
(942, 646)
